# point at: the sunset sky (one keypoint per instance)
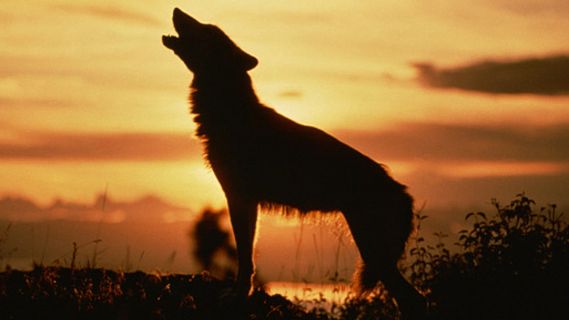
(463, 101)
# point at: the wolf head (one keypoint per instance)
(205, 49)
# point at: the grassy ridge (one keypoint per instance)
(63, 293)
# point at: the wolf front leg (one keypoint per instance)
(243, 215)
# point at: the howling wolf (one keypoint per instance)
(265, 160)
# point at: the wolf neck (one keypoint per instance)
(221, 94)
(217, 100)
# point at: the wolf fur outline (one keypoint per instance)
(263, 159)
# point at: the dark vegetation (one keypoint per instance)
(513, 265)
(213, 249)
(64, 293)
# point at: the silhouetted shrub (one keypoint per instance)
(213, 248)
(514, 265)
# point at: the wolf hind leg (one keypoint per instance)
(411, 303)
(381, 242)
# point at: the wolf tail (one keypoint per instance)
(388, 244)
(365, 279)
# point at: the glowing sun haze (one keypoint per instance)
(89, 97)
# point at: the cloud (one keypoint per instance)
(103, 209)
(23, 210)
(102, 147)
(532, 7)
(540, 76)
(456, 142)
(35, 102)
(109, 12)
(406, 142)
(291, 94)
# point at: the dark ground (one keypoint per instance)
(63, 293)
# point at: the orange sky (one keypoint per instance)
(89, 98)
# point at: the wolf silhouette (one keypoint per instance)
(265, 160)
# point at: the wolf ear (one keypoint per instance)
(247, 61)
